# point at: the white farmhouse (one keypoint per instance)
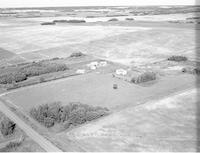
(93, 65)
(121, 72)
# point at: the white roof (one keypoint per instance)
(81, 71)
(121, 72)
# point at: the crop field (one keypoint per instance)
(37, 67)
(124, 42)
(5, 54)
(163, 125)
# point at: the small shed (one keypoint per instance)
(121, 72)
(80, 71)
(93, 65)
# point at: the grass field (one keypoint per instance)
(168, 124)
(89, 89)
(124, 42)
(5, 54)
(152, 116)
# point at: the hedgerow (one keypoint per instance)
(177, 58)
(29, 70)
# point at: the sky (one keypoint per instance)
(54, 3)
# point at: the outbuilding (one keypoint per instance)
(80, 71)
(121, 72)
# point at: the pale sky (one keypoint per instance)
(46, 3)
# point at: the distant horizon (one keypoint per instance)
(94, 6)
(93, 3)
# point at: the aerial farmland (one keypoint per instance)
(100, 78)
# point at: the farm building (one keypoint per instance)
(121, 72)
(80, 71)
(135, 76)
(95, 65)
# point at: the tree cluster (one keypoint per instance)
(29, 70)
(69, 21)
(77, 54)
(113, 19)
(177, 58)
(71, 114)
(12, 77)
(40, 68)
(144, 77)
(7, 127)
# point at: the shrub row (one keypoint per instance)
(34, 69)
(12, 77)
(48, 23)
(40, 68)
(71, 114)
(177, 58)
(69, 21)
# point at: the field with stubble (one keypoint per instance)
(158, 115)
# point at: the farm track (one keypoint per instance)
(44, 143)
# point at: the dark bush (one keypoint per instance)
(77, 54)
(76, 21)
(191, 70)
(129, 19)
(7, 127)
(144, 77)
(71, 114)
(69, 21)
(59, 21)
(113, 19)
(196, 71)
(55, 58)
(48, 23)
(177, 58)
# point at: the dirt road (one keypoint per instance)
(44, 143)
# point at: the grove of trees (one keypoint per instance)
(71, 114)
(7, 127)
(144, 77)
(29, 70)
(177, 58)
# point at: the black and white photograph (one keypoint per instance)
(99, 76)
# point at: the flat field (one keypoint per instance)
(97, 89)
(142, 118)
(169, 124)
(122, 41)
